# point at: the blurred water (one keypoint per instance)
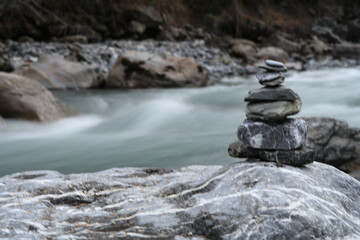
(161, 128)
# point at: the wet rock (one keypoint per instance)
(25, 98)
(287, 135)
(271, 94)
(145, 70)
(274, 53)
(57, 73)
(196, 202)
(272, 111)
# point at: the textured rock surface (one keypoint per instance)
(287, 135)
(265, 76)
(240, 201)
(57, 73)
(271, 94)
(334, 141)
(273, 69)
(298, 157)
(25, 98)
(273, 53)
(272, 111)
(273, 83)
(146, 70)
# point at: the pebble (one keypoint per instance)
(273, 63)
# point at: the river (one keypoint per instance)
(162, 127)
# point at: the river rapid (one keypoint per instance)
(162, 127)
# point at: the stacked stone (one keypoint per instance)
(268, 133)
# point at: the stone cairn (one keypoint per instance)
(267, 133)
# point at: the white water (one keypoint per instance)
(162, 128)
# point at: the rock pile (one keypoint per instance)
(268, 133)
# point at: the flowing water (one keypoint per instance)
(161, 128)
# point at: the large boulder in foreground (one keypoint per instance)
(239, 201)
(25, 98)
(57, 73)
(146, 70)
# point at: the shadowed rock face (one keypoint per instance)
(240, 201)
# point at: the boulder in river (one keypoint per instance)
(274, 53)
(57, 73)
(240, 201)
(25, 98)
(146, 70)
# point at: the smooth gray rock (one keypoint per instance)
(272, 63)
(271, 94)
(239, 201)
(274, 83)
(265, 76)
(273, 69)
(287, 135)
(272, 111)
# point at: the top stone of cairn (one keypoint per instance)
(273, 63)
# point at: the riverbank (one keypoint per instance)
(218, 62)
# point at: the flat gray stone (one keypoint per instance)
(274, 83)
(272, 111)
(271, 94)
(239, 201)
(272, 63)
(288, 135)
(298, 157)
(273, 69)
(266, 76)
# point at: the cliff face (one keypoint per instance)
(97, 20)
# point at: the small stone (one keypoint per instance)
(273, 69)
(271, 94)
(287, 135)
(274, 83)
(239, 150)
(272, 63)
(294, 157)
(266, 76)
(272, 111)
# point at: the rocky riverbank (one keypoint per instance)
(239, 201)
(218, 62)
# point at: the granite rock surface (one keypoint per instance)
(239, 201)
(287, 135)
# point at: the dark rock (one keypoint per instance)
(240, 150)
(273, 69)
(293, 157)
(334, 141)
(25, 98)
(347, 50)
(265, 76)
(273, 63)
(5, 64)
(242, 49)
(272, 111)
(271, 94)
(287, 135)
(273, 83)
(196, 202)
(327, 34)
(146, 70)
